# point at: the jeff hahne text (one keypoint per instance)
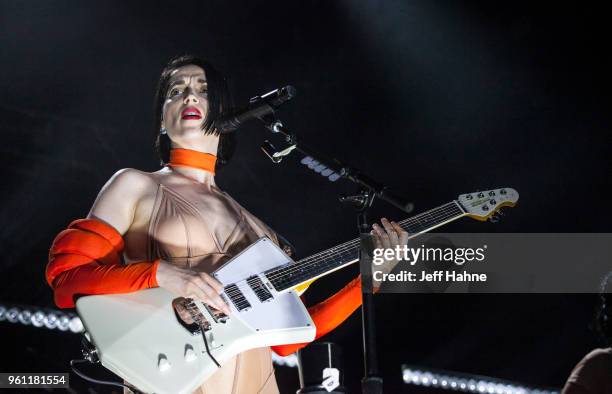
(411, 255)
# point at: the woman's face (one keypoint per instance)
(186, 105)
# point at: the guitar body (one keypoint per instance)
(140, 338)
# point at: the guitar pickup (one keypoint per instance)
(237, 298)
(217, 315)
(259, 289)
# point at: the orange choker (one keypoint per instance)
(192, 158)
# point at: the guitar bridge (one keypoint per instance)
(189, 316)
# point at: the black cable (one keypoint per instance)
(207, 348)
(104, 382)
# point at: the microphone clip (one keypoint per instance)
(276, 155)
(276, 126)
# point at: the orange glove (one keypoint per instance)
(86, 259)
(329, 314)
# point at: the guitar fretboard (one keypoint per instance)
(318, 264)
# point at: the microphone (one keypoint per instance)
(259, 106)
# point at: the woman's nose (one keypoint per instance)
(190, 97)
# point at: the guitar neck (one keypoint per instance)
(327, 261)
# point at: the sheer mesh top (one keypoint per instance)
(200, 227)
(196, 225)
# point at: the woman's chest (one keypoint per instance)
(182, 221)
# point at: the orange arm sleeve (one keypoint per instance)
(329, 314)
(86, 259)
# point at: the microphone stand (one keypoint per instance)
(369, 189)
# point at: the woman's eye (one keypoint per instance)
(174, 92)
(204, 91)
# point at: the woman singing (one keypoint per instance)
(173, 227)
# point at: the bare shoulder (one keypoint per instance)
(131, 178)
(591, 373)
(119, 197)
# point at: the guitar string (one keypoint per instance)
(351, 243)
(341, 251)
(441, 214)
(352, 246)
(306, 270)
(402, 223)
(420, 222)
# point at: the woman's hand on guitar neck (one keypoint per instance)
(389, 235)
(190, 284)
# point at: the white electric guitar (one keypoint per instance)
(140, 337)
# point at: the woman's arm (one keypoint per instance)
(332, 312)
(86, 258)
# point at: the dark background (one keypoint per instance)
(433, 98)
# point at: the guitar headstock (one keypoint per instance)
(483, 205)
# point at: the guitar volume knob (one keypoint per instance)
(190, 355)
(163, 364)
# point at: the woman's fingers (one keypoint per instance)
(218, 288)
(209, 295)
(195, 292)
(212, 282)
(382, 236)
(376, 239)
(391, 231)
(389, 235)
(403, 234)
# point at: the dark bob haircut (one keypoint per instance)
(219, 105)
(603, 316)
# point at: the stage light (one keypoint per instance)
(12, 315)
(63, 323)
(25, 317)
(466, 383)
(76, 325)
(38, 319)
(51, 321)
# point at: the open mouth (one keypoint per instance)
(191, 113)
